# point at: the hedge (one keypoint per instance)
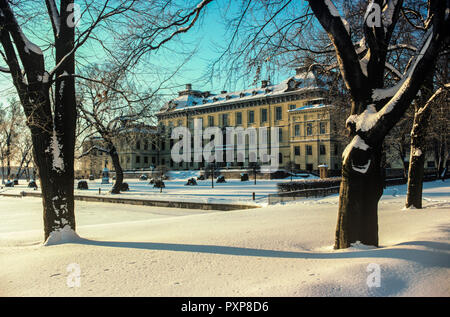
(309, 184)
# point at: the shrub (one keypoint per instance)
(309, 184)
(83, 185)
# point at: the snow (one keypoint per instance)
(417, 152)
(398, 89)
(357, 142)
(29, 46)
(303, 82)
(388, 12)
(363, 62)
(282, 250)
(366, 120)
(55, 149)
(65, 235)
(54, 16)
(361, 169)
(232, 192)
(332, 8)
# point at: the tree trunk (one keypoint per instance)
(56, 183)
(119, 172)
(358, 203)
(417, 160)
(422, 115)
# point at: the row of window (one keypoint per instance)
(138, 159)
(224, 118)
(309, 150)
(309, 129)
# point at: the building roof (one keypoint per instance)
(193, 99)
(310, 107)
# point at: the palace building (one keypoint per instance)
(298, 106)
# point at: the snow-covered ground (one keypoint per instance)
(281, 250)
(233, 191)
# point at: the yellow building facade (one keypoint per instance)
(297, 106)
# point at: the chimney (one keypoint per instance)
(188, 86)
(223, 92)
(264, 83)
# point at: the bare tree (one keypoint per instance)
(112, 109)
(366, 45)
(48, 95)
(9, 125)
(375, 109)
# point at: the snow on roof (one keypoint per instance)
(310, 107)
(304, 81)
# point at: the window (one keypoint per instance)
(138, 145)
(278, 113)
(308, 150)
(238, 118)
(309, 129)
(163, 162)
(323, 127)
(336, 149)
(430, 164)
(224, 119)
(263, 115)
(296, 150)
(297, 130)
(210, 121)
(153, 160)
(128, 159)
(280, 158)
(163, 145)
(138, 159)
(146, 159)
(291, 107)
(153, 146)
(251, 116)
(322, 149)
(280, 135)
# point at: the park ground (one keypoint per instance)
(277, 250)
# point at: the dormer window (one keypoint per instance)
(254, 92)
(241, 95)
(205, 101)
(267, 90)
(215, 99)
(194, 103)
(227, 97)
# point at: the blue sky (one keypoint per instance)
(206, 37)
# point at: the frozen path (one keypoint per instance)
(271, 251)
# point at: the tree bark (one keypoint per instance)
(358, 203)
(118, 168)
(52, 125)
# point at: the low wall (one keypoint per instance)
(146, 202)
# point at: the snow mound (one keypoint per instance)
(65, 235)
(360, 246)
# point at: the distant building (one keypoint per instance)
(137, 148)
(297, 106)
